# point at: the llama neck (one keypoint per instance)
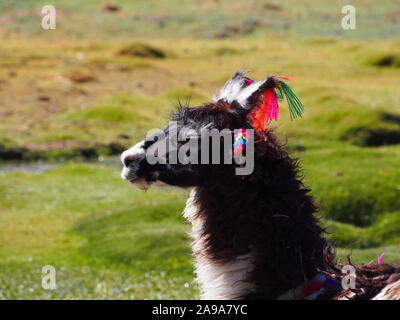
(217, 280)
(251, 242)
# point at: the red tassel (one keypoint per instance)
(265, 112)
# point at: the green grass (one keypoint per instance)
(354, 185)
(385, 230)
(95, 230)
(110, 240)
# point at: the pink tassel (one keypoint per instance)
(266, 111)
(380, 258)
(272, 105)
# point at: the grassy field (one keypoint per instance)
(206, 20)
(109, 240)
(72, 99)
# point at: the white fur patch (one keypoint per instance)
(231, 88)
(246, 93)
(216, 281)
(133, 153)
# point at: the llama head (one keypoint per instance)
(184, 152)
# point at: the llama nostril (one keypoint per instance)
(134, 154)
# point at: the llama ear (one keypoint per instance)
(261, 99)
(252, 95)
(232, 88)
(245, 90)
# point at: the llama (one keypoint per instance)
(254, 236)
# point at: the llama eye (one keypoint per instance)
(184, 140)
(150, 141)
(192, 136)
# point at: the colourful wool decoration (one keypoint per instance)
(296, 108)
(268, 108)
(379, 260)
(248, 80)
(317, 286)
(265, 112)
(239, 144)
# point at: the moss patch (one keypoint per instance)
(372, 137)
(386, 61)
(142, 50)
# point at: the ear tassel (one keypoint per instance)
(272, 105)
(267, 109)
(279, 94)
(296, 108)
(265, 112)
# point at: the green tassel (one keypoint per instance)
(279, 95)
(296, 108)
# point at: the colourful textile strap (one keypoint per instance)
(317, 286)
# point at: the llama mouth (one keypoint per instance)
(128, 175)
(141, 183)
(137, 181)
(134, 179)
